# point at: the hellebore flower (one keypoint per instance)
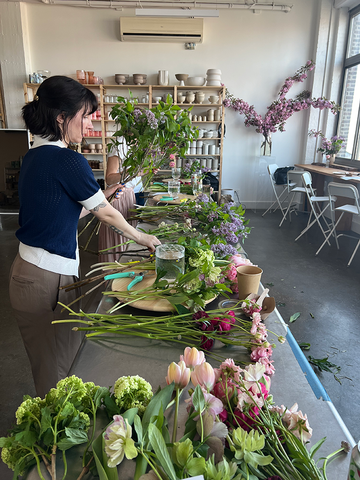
(179, 374)
(118, 441)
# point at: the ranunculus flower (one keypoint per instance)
(118, 441)
(192, 357)
(204, 376)
(224, 389)
(179, 374)
(206, 343)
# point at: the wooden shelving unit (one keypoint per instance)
(107, 95)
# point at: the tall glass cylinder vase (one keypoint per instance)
(265, 149)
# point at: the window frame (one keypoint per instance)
(348, 63)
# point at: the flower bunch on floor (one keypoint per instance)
(57, 422)
(281, 109)
(328, 147)
(232, 429)
(151, 135)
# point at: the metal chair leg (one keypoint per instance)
(353, 255)
(331, 232)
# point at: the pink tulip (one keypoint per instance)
(179, 374)
(192, 357)
(204, 376)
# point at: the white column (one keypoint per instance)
(12, 60)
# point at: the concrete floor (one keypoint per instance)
(322, 288)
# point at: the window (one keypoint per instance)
(349, 119)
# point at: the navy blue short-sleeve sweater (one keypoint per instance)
(53, 180)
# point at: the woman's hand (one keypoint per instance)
(110, 190)
(148, 241)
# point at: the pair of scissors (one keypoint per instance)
(137, 277)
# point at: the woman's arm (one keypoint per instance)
(112, 173)
(111, 217)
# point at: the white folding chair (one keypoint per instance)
(280, 199)
(347, 191)
(316, 209)
(293, 177)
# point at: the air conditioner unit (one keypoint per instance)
(156, 29)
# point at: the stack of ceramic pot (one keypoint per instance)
(213, 77)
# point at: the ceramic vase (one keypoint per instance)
(163, 77)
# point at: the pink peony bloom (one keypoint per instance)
(238, 260)
(172, 164)
(192, 357)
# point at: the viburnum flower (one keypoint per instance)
(179, 374)
(118, 441)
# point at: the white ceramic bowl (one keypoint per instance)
(157, 99)
(213, 76)
(213, 83)
(213, 70)
(195, 81)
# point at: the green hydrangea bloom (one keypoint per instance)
(193, 286)
(29, 407)
(11, 455)
(201, 258)
(86, 418)
(132, 392)
(214, 274)
(71, 385)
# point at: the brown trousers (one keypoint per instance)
(51, 349)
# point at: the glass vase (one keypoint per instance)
(265, 149)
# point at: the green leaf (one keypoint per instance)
(138, 428)
(181, 310)
(160, 400)
(161, 452)
(73, 437)
(27, 438)
(45, 419)
(104, 471)
(111, 407)
(130, 415)
(100, 394)
(198, 399)
(316, 447)
(294, 317)
(304, 346)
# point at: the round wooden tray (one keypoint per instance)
(176, 201)
(153, 305)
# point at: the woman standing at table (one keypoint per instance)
(123, 202)
(56, 187)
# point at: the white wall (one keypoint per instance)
(255, 53)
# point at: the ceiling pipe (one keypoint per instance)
(134, 4)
